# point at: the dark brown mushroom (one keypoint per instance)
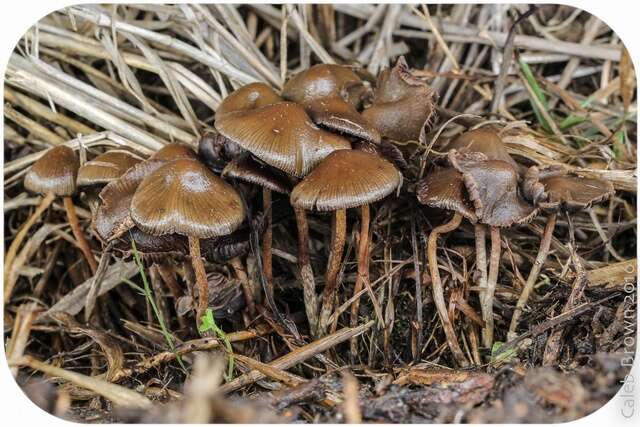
(554, 189)
(492, 186)
(106, 167)
(55, 174)
(402, 104)
(184, 197)
(445, 189)
(345, 179)
(246, 168)
(216, 151)
(385, 149)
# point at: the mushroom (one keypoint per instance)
(283, 136)
(492, 186)
(248, 97)
(184, 197)
(402, 104)
(445, 189)
(553, 189)
(485, 141)
(101, 170)
(215, 150)
(345, 179)
(54, 174)
(331, 94)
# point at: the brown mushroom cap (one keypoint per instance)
(492, 186)
(384, 149)
(55, 172)
(346, 179)
(325, 81)
(281, 135)
(402, 104)
(185, 197)
(173, 152)
(111, 219)
(248, 97)
(106, 167)
(553, 188)
(485, 141)
(445, 189)
(336, 114)
(246, 168)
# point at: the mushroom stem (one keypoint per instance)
(545, 243)
(363, 270)
(481, 265)
(247, 289)
(436, 285)
(201, 278)
(267, 242)
(494, 266)
(17, 240)
(306, 272)
(338, 233)
(78, 234)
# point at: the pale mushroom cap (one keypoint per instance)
(281, 135)
(338, 115)
(245, 168)
(185, 197)
(444, 189)
(248, 97)
(324, 81)
(485, 141)
(346, 179)
(55, 172)
(402, 105)
(106, 167)
(492, 186)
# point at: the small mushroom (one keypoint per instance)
(385, 149)
(325, 81)
(485, 141)
(553, 189)
(331, 95)
(402, 104)
(248, 97)
(492, 186)
(55, 174)
(101, 170)
(184, 197)
(216, 151)
(445, 189)
(345, 179)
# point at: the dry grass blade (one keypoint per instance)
(118, 395)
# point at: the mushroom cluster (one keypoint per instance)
(328, 142)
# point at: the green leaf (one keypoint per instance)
(209, 324)
(538, 92)
(501, 357)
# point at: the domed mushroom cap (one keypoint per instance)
(402, 104)
(338, 115)
(553, 188)
(485, 141)
(325, 81)
(245, 168)
(492, 186)
(173, 152)
(248, 97)
(55, 172)
(111, 219)
(281, 135)
(346, 179)
(185, 197)
(106, 167)
(445, 189)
